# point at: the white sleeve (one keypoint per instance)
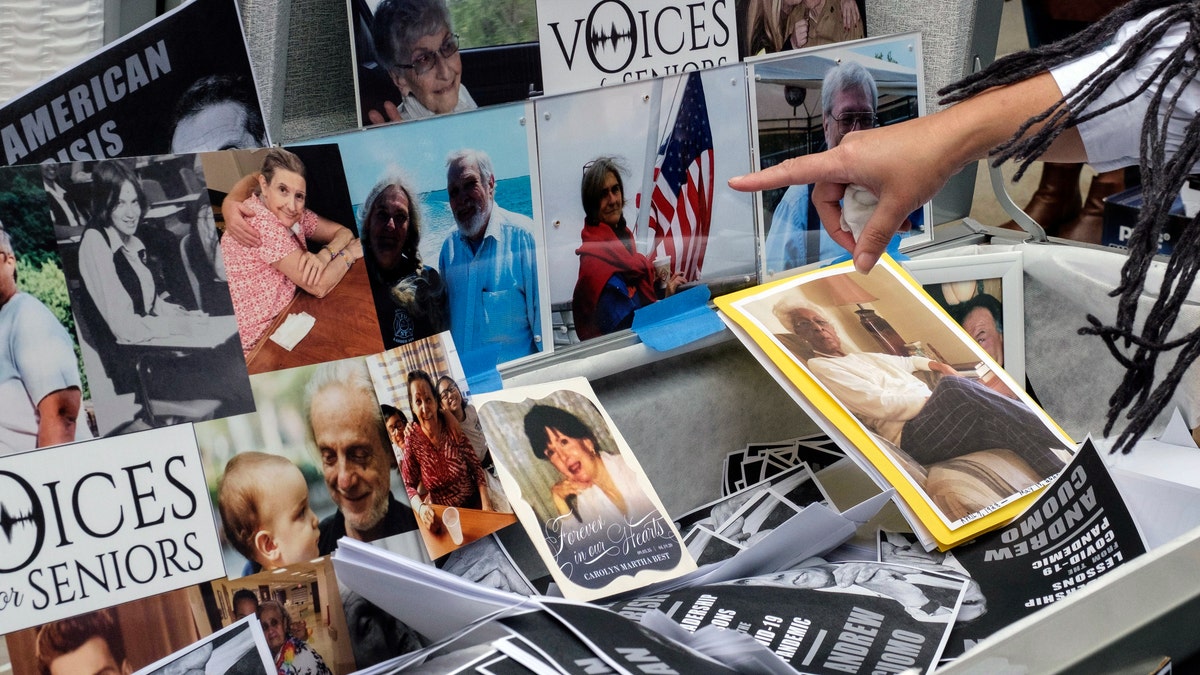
(1113, 139)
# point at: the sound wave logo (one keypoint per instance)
(611, 36)
(22, 522)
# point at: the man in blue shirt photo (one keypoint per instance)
(489, 265)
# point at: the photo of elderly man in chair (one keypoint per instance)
(966, 443)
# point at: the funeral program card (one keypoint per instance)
(579, 491)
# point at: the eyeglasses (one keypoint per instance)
(849, 121)
(425, 61)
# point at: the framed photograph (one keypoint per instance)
(804, 102)
(653, 158)
(985, 295)
(464, 248)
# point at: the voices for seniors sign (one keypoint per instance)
(595, 43)
(91, 525)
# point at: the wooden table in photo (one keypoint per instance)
(476, 524)
(346, 326)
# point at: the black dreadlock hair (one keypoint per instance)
(1162, 179)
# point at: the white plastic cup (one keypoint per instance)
(662, 268)
(453, 525)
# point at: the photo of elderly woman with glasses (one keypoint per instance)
(415, 43)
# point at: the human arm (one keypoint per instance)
(906, 164)
(58, 413)
(884, 581)
(875, 386)
(671, 285)
(237, 214)
(415, 442)
(318, 273)
(462, 445)
(565, 494)
(942, 368)
(799, 36)
(533, 308)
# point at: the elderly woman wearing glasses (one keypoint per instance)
(416, 43)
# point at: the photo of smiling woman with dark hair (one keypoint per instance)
(578, 490)
(614, 278)
(594, 484)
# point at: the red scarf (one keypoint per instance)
(602, 255)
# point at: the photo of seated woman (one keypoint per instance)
(440, 465)
(147, 331)
(292, 252)
(263, 280)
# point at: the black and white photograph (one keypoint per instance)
(805, 103)
(802, 615)
(180, 84)
(240, 649)
(488, 563)
(158, 347)
(745, 517)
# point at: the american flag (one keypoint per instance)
(681, 202)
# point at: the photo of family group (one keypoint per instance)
(966, 439)
(438, 442)
(124, 255)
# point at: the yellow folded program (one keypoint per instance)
(871, 359)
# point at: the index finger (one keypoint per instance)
(821, 167)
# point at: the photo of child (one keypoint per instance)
(272, 527)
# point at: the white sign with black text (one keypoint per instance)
(592, 43)
(96, 524)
